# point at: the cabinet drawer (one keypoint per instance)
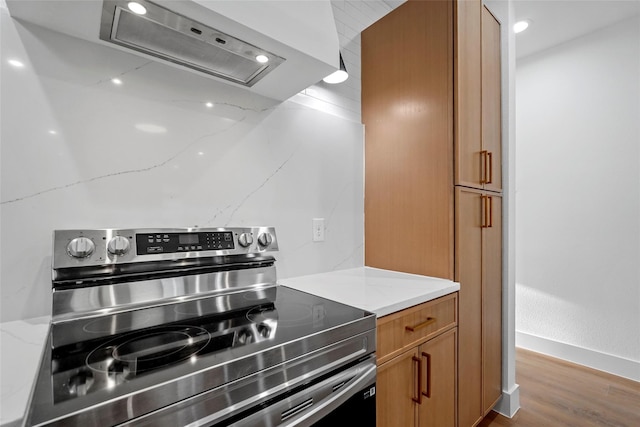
(408, 328)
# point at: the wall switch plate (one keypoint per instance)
(318, 229)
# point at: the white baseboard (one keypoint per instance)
(593, 359)
(509, 403)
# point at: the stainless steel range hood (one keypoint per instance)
(176, 38)
(219, 39)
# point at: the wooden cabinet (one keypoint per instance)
(478, 152)
(491, 105)
(478, 207)
(468, 89)
(407, 109)
(431, 109)
(479, 271)
(416, 380)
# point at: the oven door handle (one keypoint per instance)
(334, 401)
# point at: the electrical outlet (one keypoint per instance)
(318, 229)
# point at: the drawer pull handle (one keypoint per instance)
(417, 361)
(424, 324)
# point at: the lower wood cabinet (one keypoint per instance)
(479, 272)
(416, 383)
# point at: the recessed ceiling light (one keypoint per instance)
(520, 26)
(53, 132)
(209, 104)
(137, 8)
(15, 63)
(116, 81)
(262, 59)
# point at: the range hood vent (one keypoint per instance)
(217, 39)
(176, 38)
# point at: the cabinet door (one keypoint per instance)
(469, 221)
(396, 387)
(492, 303)
(438, 408)
(491, 105)
(407, 110)
(468, 121)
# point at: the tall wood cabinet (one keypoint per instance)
(407, 109)
(478, 224)
(479, 271)
(431, 110)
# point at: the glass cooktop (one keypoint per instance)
(120, 353)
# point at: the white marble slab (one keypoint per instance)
(165, 148)
(379, 291)
(21, 346)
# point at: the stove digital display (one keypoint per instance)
(166, 243)
(188, 239)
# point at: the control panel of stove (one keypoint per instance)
(74, 248)
(153, 243)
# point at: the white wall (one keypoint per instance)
(149, 153)
(578, 200)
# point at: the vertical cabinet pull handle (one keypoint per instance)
(418, 400)
(427, 392)
(490, 200)
(484, 210)
(487, 211)
(490, 169)
(484, 154)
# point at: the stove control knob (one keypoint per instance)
(265, 239)
(245, 337)
(245, 240)
(119, 245)
(80, 247)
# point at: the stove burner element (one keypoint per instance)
(260, 314)
(116, 324)
(138, 352)
(295, 313)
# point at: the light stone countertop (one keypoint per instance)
(21, 346)
(379, 291)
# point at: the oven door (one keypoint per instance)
(345, 398)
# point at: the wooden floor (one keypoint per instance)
(558, 393)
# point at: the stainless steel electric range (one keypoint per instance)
(188, 327)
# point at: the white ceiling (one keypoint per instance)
(555, 22)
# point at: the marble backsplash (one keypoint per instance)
(164, 148)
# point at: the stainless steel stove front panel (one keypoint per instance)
(100, 300)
